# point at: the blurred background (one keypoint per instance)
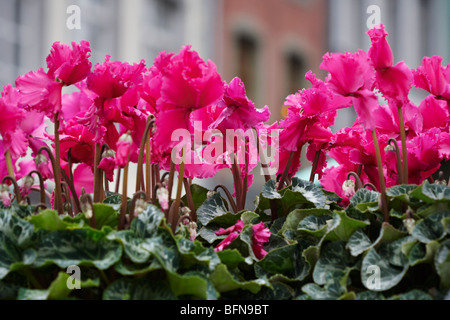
(269, 44)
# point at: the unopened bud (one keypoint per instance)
(185, 211)
(349, 188)
(409, 224)
(210, 193)
(192, 227)
(40, 159)
(108, 153)
(126, 137)
(389, 148)
(139, 206)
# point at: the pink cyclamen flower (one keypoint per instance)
(261, 235)
(125, 149)
(69, 65)
(349, 72)
(432, 77)
(239, 112)
(231, 232)
(112, 79)
(40, 91)
(163, 197)
(108, 163)
(393, 81)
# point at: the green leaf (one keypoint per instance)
(199, 195)
(314, 225)
(119, 290)
(364, 195)
(131, 244)
(334, 288)
(369, 295)
(19, 231)
(378, 274)
(230, 257)
(310, 191)
(224, 281)
(165, 250)
(431, 228)
(442, 262)
(51, 221)
(400, 190)
(152, 290)
(10, 255)
(76, 247)
(342, 226)
(269, 191)
(287, 261)
(430, 193)
(134, 269)
(192, 284)
(193, 253)
(105, 215)
(412, 295)
(333, 257)
(146, 224)
(211, 208)
(358, 242)
(294, 218)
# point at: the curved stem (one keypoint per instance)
(357, 179)
(67, 198)
(41, 184)
(148, 172)
(229, 196)
(368, 184)
(72, 191)
(399, 160)
(58, 203)
(86, 199)
(174, 208)
(16, 187)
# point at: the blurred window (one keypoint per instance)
(247, 51)
(294, 72)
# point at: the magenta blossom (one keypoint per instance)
(261, 235)
(69, 65)
(231, 232)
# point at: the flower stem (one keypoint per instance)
(286, 170)
(124, 204)
(57, 168)
(139, 174)
(97, 180)
(174, 208)
(148, 172)
(229, 196)
(314, 166)
(404, 149)
(190, 200)
(41, 184)
(399, 160)
(381, 177)
(9, 164)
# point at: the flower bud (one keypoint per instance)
(409, 224)
(139, 206)
(389, 148)
(192, 227)
(210, 193)
(4, 195)
(163, 198)
(349, 188)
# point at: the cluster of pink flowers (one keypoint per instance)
(376, 88)
(111, 103)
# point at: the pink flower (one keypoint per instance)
(113, 79)
(393, 81)
(231, 232)
(239, 112)
(432, 77)
(348, 72)
(261, 235)
(380, 52)
(125, 150)
(39, 91)
(108, 164)
(80, 141)
(163, 197)
(70, 65)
